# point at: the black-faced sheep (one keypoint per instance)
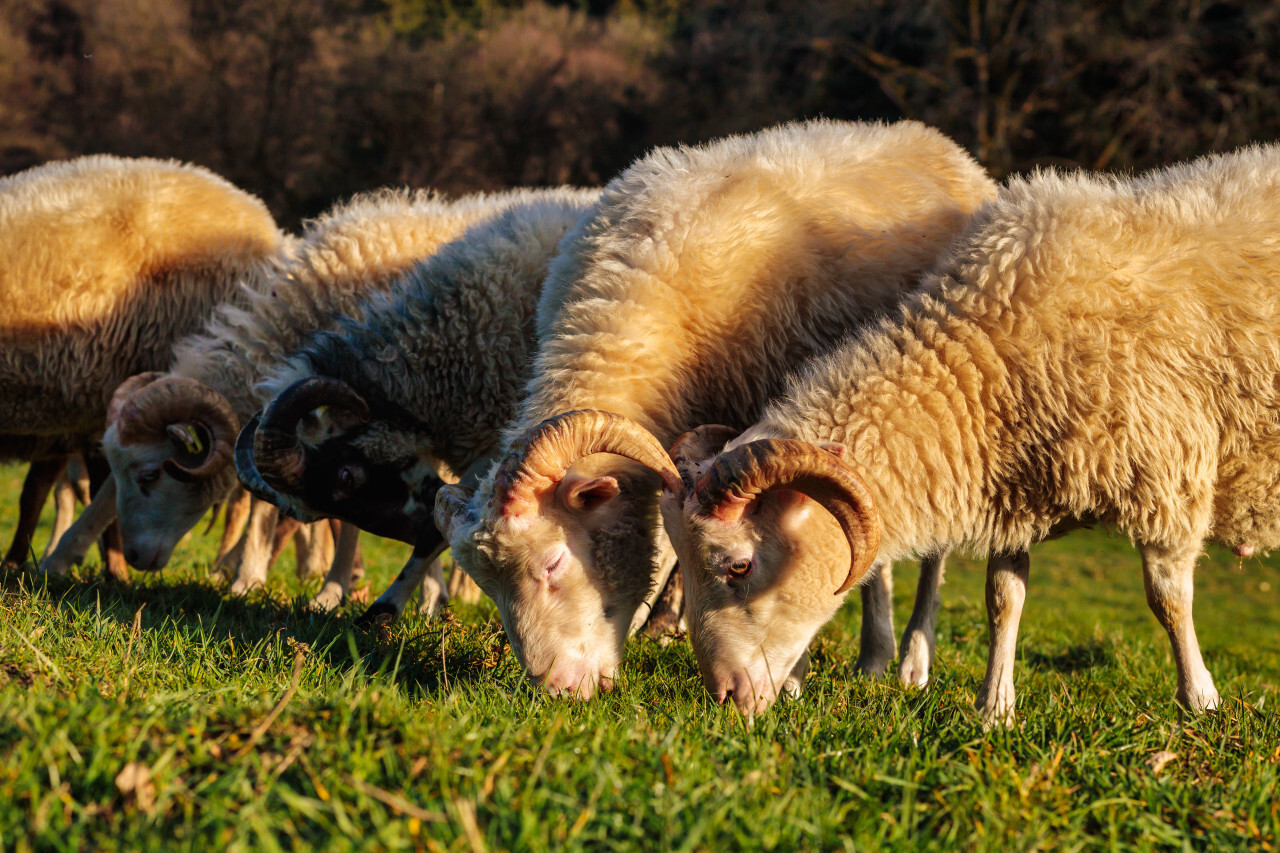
(418, 386)
(1092, 348)
(705, 276)
(106, 262)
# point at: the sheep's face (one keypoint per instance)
(568, 575)
(155, 509)
(374, 475)
(757, 589)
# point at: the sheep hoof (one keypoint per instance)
(243, 586)
(378, 611)
(913, 669)
(326, 600)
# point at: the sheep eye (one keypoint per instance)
(346, 479)
(740, 568)
(148, 476)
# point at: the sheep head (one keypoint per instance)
(169, 442)
(760, 558)
(318, 451)
(561, 536)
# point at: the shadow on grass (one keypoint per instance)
(1074, 658)
(417, 654)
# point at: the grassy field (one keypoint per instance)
(167, 715)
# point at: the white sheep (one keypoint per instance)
(1092, 348)
(161, 436)
(417, 387)
(705, 276)
(104, 263)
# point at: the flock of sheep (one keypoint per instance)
(780, 361)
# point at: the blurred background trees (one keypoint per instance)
(305, 101)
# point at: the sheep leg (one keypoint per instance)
(337, 584)
(666, 563)
(110, 544)
(286, 529)
(1006, 592)
(256, 555)
(1167, 574)
(433, 593)
(237, 516)
(314, 549)
(64, 503)
(462, 587)
(668, 611)
(412, 576)
(919, 640)
(41, 475)
(876, 648)
(86, 530)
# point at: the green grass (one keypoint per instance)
(425, 735)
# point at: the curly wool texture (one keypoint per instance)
(106, 262)
(1092, 347)
(360, 247)
(709, 272)
(450, 346)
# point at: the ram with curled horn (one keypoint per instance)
(704, 278)
(360, 247)
(1006, 403)
(96, 285)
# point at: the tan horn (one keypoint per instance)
(744, 473)
(127, 389)
(147, 414)
(696, 449)
(538, 460)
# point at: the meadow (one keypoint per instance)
(165, 715)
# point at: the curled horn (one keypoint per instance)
(246, 469)
(278, 453)
(742, 474)
(155, 404)
(539, 459)
(694, 449)
(126, 390)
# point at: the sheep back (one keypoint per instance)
(106, 261)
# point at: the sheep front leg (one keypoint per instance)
(237, 516)
(919, 640)
(337, 585)
(1006, 593)
(1167, 574)
(414, 575)
(876, 648)
(64, 502)
(256, 555)
(86, 530)
(41, 475)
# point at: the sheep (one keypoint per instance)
(162, 427)
(417, 388)
(107, 261)
(706, 273)
(1092, 348)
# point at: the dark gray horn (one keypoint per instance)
(280, 456)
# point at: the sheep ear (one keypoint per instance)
(586, 495)
(837, 450)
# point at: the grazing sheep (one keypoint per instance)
(418, 387)
(106, 262)
(705, 276)
(170, 437)
(1093, 348)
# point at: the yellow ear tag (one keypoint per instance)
(192, 440)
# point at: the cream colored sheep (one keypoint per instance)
(704, 277)
(360, 247)
(418, 387)
(1093, 348)
(104, 263)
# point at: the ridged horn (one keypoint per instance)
(155, 405)
(744, 473)
(452, 502)
(246, 470)
(539, 459)
(696, 449)
(127, 389)
(279, 455)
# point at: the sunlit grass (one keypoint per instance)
(425, 735)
